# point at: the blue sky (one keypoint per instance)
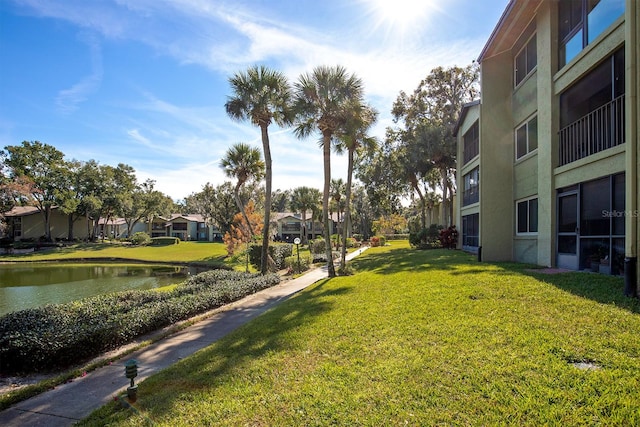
(144, 82)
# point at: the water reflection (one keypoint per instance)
(33, 285)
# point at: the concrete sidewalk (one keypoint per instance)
(73, 401)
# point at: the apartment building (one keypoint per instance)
(548, 158)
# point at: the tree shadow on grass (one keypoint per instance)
(215, 365)
(399, 260)
(596, 287)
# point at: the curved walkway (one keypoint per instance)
(68, 403)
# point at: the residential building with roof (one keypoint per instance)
(555, 180)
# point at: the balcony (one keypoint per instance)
(599, 130)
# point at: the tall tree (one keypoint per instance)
(243, 163)
(429, 116)
(145, 203)
(323, 99)
(305, 199)
(280, 200)
(354, 139)
(217, 205)
(44, 168)
(261, 96)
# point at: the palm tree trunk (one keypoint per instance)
(267, 200)
(326, 149)
(347, 210)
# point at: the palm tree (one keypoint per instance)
(243, 163)
(305, 199)
(354, 139)
(322, 102)
(262, 96)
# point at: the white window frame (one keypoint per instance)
(523, 50)
(526, 200)
(526, 125)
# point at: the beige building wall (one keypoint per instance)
(496, 157)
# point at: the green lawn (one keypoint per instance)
(200, 252)
(416, 338)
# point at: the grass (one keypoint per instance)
(185, 252)
(416, 338)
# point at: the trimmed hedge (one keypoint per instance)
(61, 335)
(160, 241)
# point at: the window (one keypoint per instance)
(17, 227)
(470, 230)
(526, 61)
(471, 184)
(179, 225)
(527, 137)
(471, 143)
(527, 216)
(581, 21)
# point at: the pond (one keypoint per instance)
(32, 285)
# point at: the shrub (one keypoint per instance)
(161, 241)
(55, 336)
(140, 239)
(279, 252)
(427, 238)
(378, 241)
(352, 243)
(449, 237)
(318, 246)
(401, 236)
(291, 263)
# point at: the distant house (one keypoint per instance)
(27, 223)
(186, 227)
(290, 225)
(117, 228)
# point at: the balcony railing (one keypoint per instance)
(597, 131)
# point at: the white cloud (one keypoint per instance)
(68, 100)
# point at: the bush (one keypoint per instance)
(352, 243)
(378, 241)
(318, 246)
(278, 253)
(402, 236)
(427, 238)
(449, 237)
(58, 336)
(291, 263)
(161, 241)
(140, 239)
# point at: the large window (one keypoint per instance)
(592, 111)
(527, 216)
(471, 142)
(470, 230)
(471, 187)
(526, 61)
(179, 225)
(581, 21)
(527, 137)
